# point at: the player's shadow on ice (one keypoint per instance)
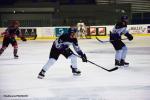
(69, 78)
(4, 59)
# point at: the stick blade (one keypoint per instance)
(99, 40)
(113, 69)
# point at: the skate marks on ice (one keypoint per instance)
(78, 88)
(131, 51)
(103, 93)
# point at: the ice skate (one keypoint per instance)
(75, 71)
(16, 56)
(1, 51)
(41, 74)
(117, 63)
(123, 63)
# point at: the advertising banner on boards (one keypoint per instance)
(60, 31)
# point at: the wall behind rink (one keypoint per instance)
(133, 29)
(52, 32)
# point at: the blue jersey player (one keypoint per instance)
(61, 46)
(115, 37)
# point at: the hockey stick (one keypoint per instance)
(108, 40)
(109, 70)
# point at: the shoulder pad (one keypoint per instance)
(121, 25)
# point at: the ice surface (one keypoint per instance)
(18, 77)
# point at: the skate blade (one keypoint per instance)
(117, 66)
(123, 67)
(126, 65)
(40, 77)
(75, 74)
(15, 57)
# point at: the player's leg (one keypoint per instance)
(15, 51)
(73, 66)
(45, 68)
(123, 56)
(4, 45)
(78, 31)
(54, 54)
(118, 57)
(68, 53)
(118, 47)
(15, 46)
(82, 33)
(2, 49)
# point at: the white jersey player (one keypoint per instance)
(61, 46)
(81, 27)
(115, 37)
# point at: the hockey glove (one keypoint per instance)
(23, 39)
(129, 36)
(84, 58)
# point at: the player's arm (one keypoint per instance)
(128, 35)
(20, 35)
(4, 33)
(79, 51)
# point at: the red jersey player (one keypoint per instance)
(9, 37)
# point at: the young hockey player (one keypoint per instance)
(81, 29)
(115, 37)
(61, 46)
(9, 37)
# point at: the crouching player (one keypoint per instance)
(115, 37)
(61, 46)
(9, 37)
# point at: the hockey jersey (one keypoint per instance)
(119, 29)
(64, 41)
(12, 32)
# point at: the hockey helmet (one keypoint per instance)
(15, 23)
(72, 30)
(125, 17)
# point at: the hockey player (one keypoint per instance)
(9, 37)
(81, 29)
(115, 37)
(61, 46)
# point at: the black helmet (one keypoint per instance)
(72, 30)
(125, 17)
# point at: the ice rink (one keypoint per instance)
(18, 77)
